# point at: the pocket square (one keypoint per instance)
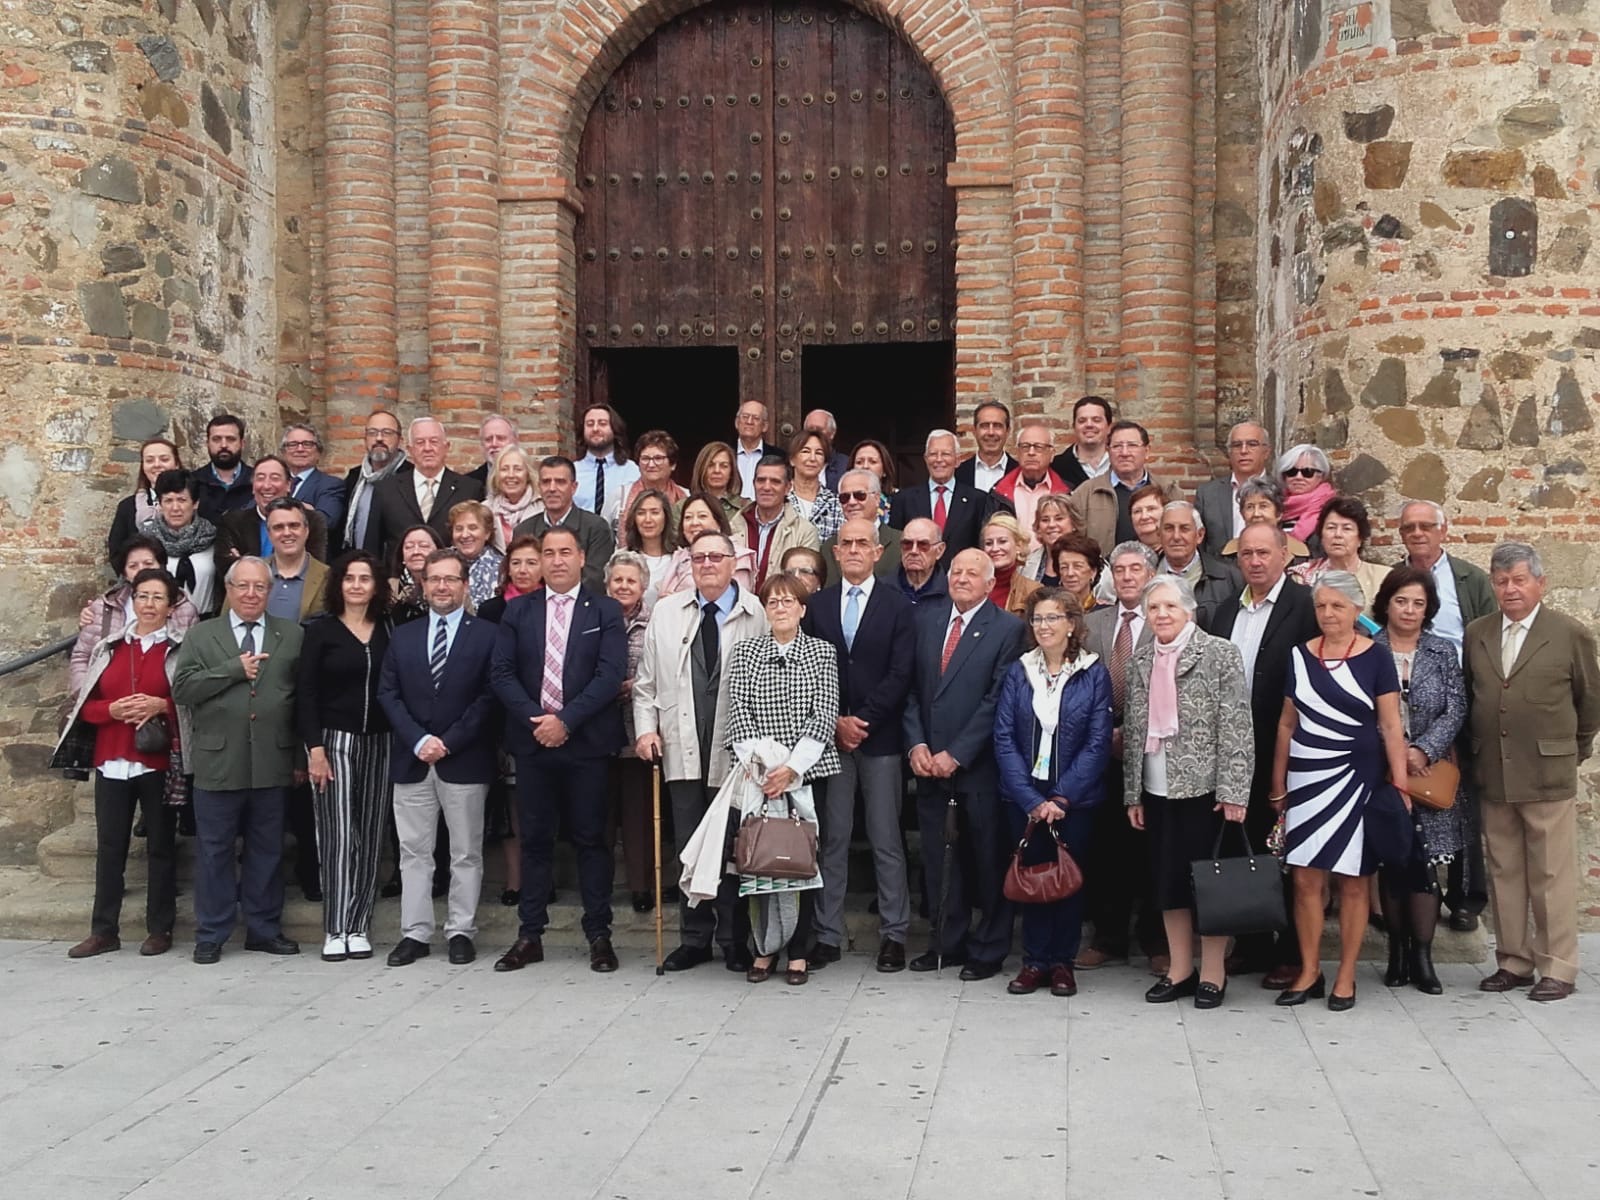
(587, 632)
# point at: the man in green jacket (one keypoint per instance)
(236, 674)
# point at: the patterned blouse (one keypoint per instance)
(483, 577)
(824, 512)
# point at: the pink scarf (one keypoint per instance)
(1305, 510)
(1164, 690)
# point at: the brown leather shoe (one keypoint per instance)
(1551, 989)
(1028, 981)
(602, 957)
(94, 944)
(796, 977)
(1504, 981)
(156, 943)
(1279, 979)
(523, 952)
(757, 973)
(1092, 958)
(1062, 982)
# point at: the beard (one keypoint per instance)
(225, 460)
(380, 455)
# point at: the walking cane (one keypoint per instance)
(655, 812)
(950, 834)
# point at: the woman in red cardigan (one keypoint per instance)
(128, 685)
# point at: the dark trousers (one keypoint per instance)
(569, 794)
(1467, 878)
(628, 792)
(982, 853)
(1116, 879)
(221, 889)
(727, 920)
(302, 820)
(1051, 932)
(114, 804)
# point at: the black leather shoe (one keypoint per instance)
(272, 945)
(821, 955)
(602, 957)
(462, 951)
(407, 950)
(738, 960)
(1338, 1003)
(1463, 922)
(207, 953)
(523, 951)
(1209, 995)
(1165, 991)
(1423, 976)
(511, 897)
(643, 902)
(930, 961)
(891, 956)
(391, 889)
(975, 971)
(1291, 998)
(1399, 972)
(685, 958)
(312, 890)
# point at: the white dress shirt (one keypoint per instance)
(1251, 624)
(746, 461)
(984, 477)
(420, 482)
(1447, 622)
(236, 623)
(127, 768)
(1505, 628)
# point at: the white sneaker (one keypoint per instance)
(334, 949)
(359, 945)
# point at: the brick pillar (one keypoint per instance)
(1047, 317)
(1155, 376)
(983, 282)
(361, 364)
(463, 216)
(1102, 192)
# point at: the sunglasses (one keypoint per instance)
(1303, 472)
(917, 544)
(855, 497)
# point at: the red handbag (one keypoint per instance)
(1046, 882)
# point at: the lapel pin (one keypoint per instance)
(977, 633)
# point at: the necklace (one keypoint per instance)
(1322, 647)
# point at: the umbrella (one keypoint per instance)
(950, 833)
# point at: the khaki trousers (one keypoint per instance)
(1532, 850)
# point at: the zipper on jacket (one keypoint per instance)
(366, 689)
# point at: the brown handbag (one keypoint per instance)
(783, 847)
(1046, 882)
(1436, 789)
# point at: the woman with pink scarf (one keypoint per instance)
(1307, 488)
(1188, 756)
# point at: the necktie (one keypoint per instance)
(709, 645)
(950, 643)
(599, 484)
(1121, 652)
(298, 480)
(430, 488)
(436, 656)
(248, 644)
(555, 653)
(852, 617)
(940, 512)
(1510, 648)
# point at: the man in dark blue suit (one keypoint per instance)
(958, 509)
(301, 447)
(963, 650)
(434, 688)
(868, 621)
(558, 669)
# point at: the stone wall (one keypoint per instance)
(1429, 310)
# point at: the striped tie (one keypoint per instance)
(436, 658)
(555, 654)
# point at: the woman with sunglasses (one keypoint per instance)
(1307, 487)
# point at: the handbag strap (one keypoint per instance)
(1216, 847)
(1033, 825)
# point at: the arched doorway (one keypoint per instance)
(765, 216)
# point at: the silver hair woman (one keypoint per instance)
(1307, 486)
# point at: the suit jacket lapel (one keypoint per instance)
(1534, 639)
(973, 627)
(407, 475)
(585, 616)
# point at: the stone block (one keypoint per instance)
(111, 178)
(103, 309)
(1442, 391)
(121, 257)
(136, 420)
(1335, 396)
(1509, 364)
(1410, 19)
(1369, 126)
(1568, 250)
(1513, 237)
(1434, 217)
(1363, 474)
(214, 119)
(1484, 429)
(1385, 164)
(1528, 122)
(150, 322)
(1570, 412)
(1495, 170)
(1484, 485)
(163, 100)
(163, 57)
(1400, 426)
(1425, 478)
(1546, 184)
(1387, 387)
(1479, 12)
(88, 57)
(1326, 203)
(1524, 429)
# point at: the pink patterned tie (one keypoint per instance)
(555, 653)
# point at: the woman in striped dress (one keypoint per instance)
(347, 745)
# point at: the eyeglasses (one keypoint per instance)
(1252, 444)
(1046, 620)
(300, 444)
(708, 558)
(1303, 472)
(374, 432)
(654, 460)
(855, 497)
(916, 544)
(782, 602)
(1034, 447)
(250, 589)
(1419, 527)
(444, 579)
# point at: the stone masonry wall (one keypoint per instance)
(1429, 309)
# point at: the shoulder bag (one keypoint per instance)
(776, 847)
(1046, 882)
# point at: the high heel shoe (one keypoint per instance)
(1338, 1003)
(1164, 990)
(1399, 972)
(1423, 976)
(1292, 997)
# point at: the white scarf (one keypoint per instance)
(1047, 700)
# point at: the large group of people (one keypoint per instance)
(1032, 644)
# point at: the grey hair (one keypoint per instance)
(288, 429)
(934, 434)
(252, 559)
(1180, 587)
(1438, 513)
(1508, 556)
(1343, 582)
(509, 424)
(830, 426)
(1261, 486)
(1238, 425)
(411, 429)
(1199, 521)
(1278, 533)
(863, 473)
(1292, 456)
(1123, 549)
(629, 558)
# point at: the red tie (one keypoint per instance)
(950, 643)
(940, 513)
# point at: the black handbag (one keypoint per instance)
(154, 736)
(1234, 896)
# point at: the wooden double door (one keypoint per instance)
(764, 202)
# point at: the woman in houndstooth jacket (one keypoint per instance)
(784, 685)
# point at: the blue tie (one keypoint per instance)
(852, 617)
(437, 657)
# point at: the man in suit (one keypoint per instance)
(495, 433)
(224, 482)
(750, 444)
(773, 526)
(1032, 479)
(1214, 581)
(958, 510)
(1535, 690)
(301, 447)
(962, 652)
(434, 688)
(558, 484)
(603, 470)
(236, 674)
(421, 491)
(859, 496)
(1117, 874)
(1217, 500)
(991, 426)
(921, 576)
(868, 622)
(244, 532)
(680, 710)
(820, 421)
(1266, 619)
(1101, 502)
(1087, 456)
(1464, 597)
(384, 456)
(558, 666)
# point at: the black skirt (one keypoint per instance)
(1180, 832)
